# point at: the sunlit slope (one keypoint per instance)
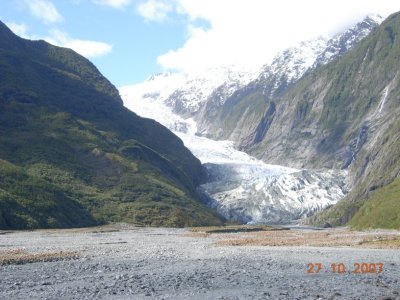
(72, 155)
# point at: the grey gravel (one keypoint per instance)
(159, 263)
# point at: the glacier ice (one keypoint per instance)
(239, 186)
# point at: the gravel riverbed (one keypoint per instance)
(127, 262)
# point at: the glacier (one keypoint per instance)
(240, 187)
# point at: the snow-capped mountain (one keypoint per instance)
(341, 43)
(241, 187)
(157, 87)
(291, 64)
(190, 95)
(247, 115)
(147, 99)
(197, 88)
(185, 93)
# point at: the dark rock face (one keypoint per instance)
(265, 123)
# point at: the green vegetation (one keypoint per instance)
(71, 154)
(351, 123)
(237, 109)
(331, 118)
(20, 257)
(380, 210)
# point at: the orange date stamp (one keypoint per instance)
(340, 268)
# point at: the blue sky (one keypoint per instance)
(134, 42)
(128, 40)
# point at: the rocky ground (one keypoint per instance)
(126, 262)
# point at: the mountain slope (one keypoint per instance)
(342, 113)
(345, 115)
(380, 210)
(72, 155)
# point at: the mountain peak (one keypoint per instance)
(376, 18)
(156, 76)
(342, 42)
(3, 26)
(8, 39)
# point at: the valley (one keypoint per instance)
(310, 136)
(239, 186)
(324, 112)
(263, 162)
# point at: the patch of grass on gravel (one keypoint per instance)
(19, 256)
(331, 238)
(381, 243)
(233, 228)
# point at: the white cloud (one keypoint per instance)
(249, 32)
(118, 4)
(154, 10)
(44, 10)
(18, 28)
(86, 48)
(89, 48)
(60, 38)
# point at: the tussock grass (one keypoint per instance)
(232, 229)
(19, 256)
(329, 238)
